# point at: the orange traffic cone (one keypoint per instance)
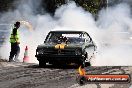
(26, 58)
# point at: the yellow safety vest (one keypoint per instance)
(14, 38)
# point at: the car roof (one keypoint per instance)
(67, 31)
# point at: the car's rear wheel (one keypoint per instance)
(42, 63)
(82, 63)
(87, 64)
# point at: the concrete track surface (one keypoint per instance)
(23, 75)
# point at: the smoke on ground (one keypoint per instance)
(111, 32)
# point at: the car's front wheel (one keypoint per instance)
(42, 63)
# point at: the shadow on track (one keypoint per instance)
(55, 66)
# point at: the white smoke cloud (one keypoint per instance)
(110, 32)
(115, 31)
(72, 17)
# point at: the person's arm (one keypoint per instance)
(14, 31)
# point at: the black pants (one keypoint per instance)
(15, 50)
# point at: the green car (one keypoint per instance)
(66, 47)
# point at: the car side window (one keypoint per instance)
(87, 38)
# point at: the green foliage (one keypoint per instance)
(50, 6)
(6, 5)
(92, 6)
(60, 2)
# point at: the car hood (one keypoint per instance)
(63, 46)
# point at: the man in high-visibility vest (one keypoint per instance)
(14, 40)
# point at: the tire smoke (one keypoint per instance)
(111, 32)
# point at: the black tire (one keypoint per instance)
(42, 63)
(82, 63)
(87, 64)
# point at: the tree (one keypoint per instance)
(6, 5)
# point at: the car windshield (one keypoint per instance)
(70, 38)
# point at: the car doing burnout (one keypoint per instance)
(66, 47)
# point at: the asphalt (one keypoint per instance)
(25, 75)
